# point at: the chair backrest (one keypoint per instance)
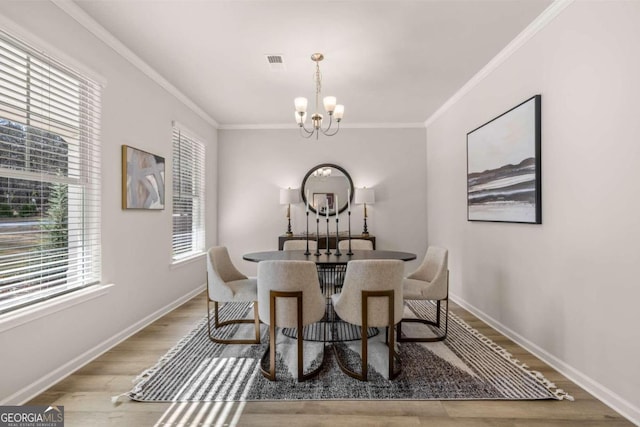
(359, 244)
(220, 270)
(299, 245)
(372, 275)
(290, 276)
(434, 269)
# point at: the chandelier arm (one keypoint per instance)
(306, 133)
(325, 131)
(303, 127)
(336, 131)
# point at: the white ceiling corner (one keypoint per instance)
(84, 19)
(536, 25)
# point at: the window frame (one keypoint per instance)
(79, 130)
(188, 195)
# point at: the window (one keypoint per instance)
(188, 195)
(49, 177)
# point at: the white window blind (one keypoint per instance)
(49, 177)
(188, 195)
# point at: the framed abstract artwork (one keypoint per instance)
(320, 201)
(503, 167)
(142, 179)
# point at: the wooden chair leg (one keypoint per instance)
(402, 338)
(272, 339)
(365, 341)
(218, 324)
(362, 376)
(271, 349)
(256, 320)
(300, 337)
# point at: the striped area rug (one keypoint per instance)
(466, 366)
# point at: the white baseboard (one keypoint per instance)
(602, 393)
(36, 388)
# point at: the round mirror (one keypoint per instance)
(327, 185)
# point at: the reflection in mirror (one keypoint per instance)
(327, 184)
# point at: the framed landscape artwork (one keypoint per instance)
(142, 179)
(503, 167)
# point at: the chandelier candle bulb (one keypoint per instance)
(339, 112)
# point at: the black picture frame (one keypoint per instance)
(504, 166)
(313, 189)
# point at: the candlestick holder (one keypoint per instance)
(317, 237)
(337, 252)
(349, 253)
(365, 231)
(289, 233)
(328, 251)
(307, 251)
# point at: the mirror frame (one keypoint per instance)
(326, 165)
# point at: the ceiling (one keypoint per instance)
(389, 62)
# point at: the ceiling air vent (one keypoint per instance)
(275, 61)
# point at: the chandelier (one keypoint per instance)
(322, 172)
(334, 111)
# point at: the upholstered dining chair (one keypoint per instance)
(371, 297)
(429, 282)
(225, 284)
(358, 244)
(299, 245)
(289, 297)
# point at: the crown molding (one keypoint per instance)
(34, 42)
(75, 12)
(293, 126)
(550, 13)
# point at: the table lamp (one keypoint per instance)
(287, 197)
(362, 197)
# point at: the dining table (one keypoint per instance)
(328, 259)
(331, 272)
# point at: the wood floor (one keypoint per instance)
(86, 395)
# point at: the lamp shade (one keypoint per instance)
(364, 195)
(301, 104)
(289, 196)
(329, 103)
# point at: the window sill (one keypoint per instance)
(45, 308)
(187, 260)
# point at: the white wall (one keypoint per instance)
(254, 164)
(568, 288)
(136, 244)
